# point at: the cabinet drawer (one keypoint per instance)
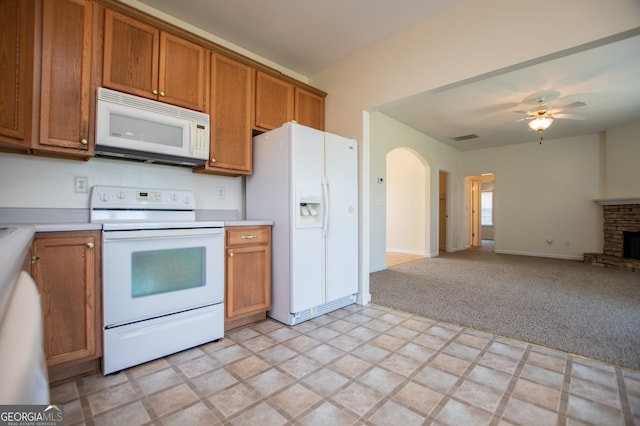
(244, 235)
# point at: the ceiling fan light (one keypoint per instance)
(540, 123)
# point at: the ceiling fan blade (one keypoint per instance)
(566, 107)
(569, 116)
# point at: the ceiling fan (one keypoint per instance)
(542, 117)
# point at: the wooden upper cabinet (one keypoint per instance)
(309, 109)
(143, 60)
(131, 51)
(278, 101)
(182, 72)
(16, 72)
(231, 117)
(65, 77)
(274, 102)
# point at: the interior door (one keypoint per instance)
(475, 213)
(443, 212)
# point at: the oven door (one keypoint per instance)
(151, 273)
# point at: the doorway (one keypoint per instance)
(444, 215)
(407, 186)
(481, 218)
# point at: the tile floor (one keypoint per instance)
(366, 365)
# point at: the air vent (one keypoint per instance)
(465, 137)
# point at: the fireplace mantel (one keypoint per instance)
(617, 201)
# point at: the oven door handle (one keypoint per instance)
(155, 234)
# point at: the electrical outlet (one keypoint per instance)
(80, 185)
(220, 192)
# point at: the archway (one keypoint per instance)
(407, 206)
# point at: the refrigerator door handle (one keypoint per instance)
(325, 210)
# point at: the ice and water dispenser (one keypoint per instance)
(308, 206)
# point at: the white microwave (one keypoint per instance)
(133, 128)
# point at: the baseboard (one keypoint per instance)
(402, 251)
(377, 268)
(547, 255)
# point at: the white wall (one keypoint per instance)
(545, 192)
(623, 162)
(31, 181)
(406, 195)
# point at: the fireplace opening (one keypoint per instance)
(631, 248)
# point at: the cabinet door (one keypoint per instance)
(181, 72)
(64, 269)
(309, 109)
(274, 102)
(16, 71)
(131, 50)
(248, 270)
(231, 105)
(65, 78)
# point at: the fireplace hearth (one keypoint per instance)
(621, 229)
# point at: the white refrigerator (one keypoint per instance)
(306, 181)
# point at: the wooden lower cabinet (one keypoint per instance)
(66, 269)
(248, 274)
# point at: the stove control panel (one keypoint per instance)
(120, 197)
(152, 196)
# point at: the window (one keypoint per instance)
(486, 208)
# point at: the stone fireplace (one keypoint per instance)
(621, 228)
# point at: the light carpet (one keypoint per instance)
(562, 304)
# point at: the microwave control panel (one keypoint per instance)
(201, 141)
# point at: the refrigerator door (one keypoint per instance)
(341, 177)
(307, 248)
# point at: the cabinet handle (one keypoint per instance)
(249, 237)
(213, 160)
(162, 94)
(230, 254)
(84, 142)
(154, 91)
(90, 245)
(35, 259)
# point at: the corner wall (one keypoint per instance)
(388, 134)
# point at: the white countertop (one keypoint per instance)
(14, 247)
(229, 223)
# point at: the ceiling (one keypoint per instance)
(305, 36)
(604, 77)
